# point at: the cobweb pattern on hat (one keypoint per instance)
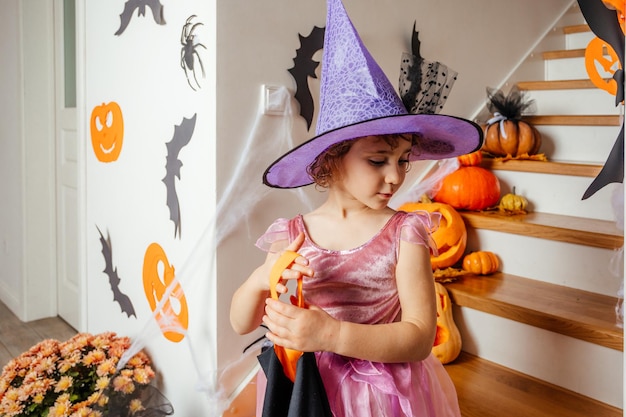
(355, 87)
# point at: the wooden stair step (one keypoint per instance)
(542, 167)
(576, 313)
(556, 85)
(568, 53)
(570, 229)
(574, 120)
(568, 30)
(486, 389)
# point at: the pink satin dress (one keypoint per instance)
(358, 285)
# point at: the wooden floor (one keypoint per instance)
(17, 336)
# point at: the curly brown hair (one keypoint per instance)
(327, 166)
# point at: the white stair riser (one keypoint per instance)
(578, 40)
(559, 194)
(591, 101)
(586, 368)
(570, 265)
(569, 69)
(582, 144)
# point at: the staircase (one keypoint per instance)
(541, 337)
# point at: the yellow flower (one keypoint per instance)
(106, 368)
(64, 383)
(141, 375)
(135, 406)
(61, 406)
(94, 357)
(123, 384)
(38, 398)
(102, 383)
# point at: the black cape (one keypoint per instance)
(305, 397)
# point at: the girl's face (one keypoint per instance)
(372, 170)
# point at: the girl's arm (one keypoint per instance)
(248, 303)
(410, 339)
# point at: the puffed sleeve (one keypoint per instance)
(278, 231)
(418, 227)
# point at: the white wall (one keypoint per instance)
(127, 200)
(11, 164)
(27, 227)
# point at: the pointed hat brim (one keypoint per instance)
(442, 137)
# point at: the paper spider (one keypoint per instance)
(189, 52)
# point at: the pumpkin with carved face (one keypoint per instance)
(107, 131)
(450, 237)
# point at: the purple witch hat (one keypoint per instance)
(357, 100)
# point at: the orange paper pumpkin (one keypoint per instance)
(595, 54)
(450, 237)
(469, 188)
(173, 315)
(447, 344)
(107, 131)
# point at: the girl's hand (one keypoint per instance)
(298, 269)
(306, 330)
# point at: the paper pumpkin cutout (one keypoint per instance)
(303, 68)
(140, 5)
(172, 315)
(594, 54)
(182, 136)
(114, 280)
(107, 131)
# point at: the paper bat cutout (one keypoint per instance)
(414, 74)
(304, 67)
(604, 24)
(132, 5)
(114, 280)
(182, 136)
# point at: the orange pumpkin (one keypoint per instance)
(469, 188)
(481, 263)
(107, 131)
(511, 138)
(450, 237)
(447, 344)
(469, 159)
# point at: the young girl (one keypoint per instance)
(366, 275)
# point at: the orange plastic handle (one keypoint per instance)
(288, 357)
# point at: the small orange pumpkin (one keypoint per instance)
(481, 263)
(469, 188)
(447, 344)
(511, 138)
(450, 237)
(469, 159)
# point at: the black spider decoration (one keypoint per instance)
(189, 55)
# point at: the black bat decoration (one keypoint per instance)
(132, 5)
(415, 71)
(114, 280)
(304, 67)
(182, 136)
(604, 24)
